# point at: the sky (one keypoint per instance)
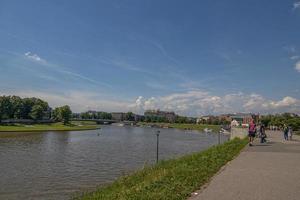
(192, 57)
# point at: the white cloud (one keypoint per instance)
(34, 57)
(297, 66)
(290, 48)
(294, 57)
(191, 103)
(296, 5)
(60, 70)
(195, 103)
(285, 102)
(164, 52)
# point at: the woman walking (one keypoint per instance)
(251, 132)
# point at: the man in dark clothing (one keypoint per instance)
(263, 135)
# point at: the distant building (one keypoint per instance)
(169, 116)
(234, 123)
(244, 119)
(204, 119)
(225, 117)
(119, 116)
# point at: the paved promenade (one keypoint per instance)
(268, 171)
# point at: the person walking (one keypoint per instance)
(290, 133)
(251, 132)
(285, 132)
(262, 132)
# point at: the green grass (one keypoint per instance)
(172, 179)
(73, 126)
(199, 127)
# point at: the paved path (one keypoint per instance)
(263, 172)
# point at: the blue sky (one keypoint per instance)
(193, 57)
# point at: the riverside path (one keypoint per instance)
(268, 171)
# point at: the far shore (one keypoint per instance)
(73, 126)
(198, 127)
(89, 125)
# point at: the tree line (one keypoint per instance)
(15, 107)
(279, 120)
(162, 119)
(92, 115)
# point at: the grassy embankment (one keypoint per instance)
(199, 127)
(73, 126)
(172, 179)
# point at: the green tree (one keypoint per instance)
(66, 114)
(14, 107)
(104, 115)
(62, 114)
(17, 106)
(37, 112)
(129, 116)
(6, 108)
(26, 109)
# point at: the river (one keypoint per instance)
(59, 165)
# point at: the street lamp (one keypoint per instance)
(157, 144)
(219, 137)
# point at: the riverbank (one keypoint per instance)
(198, 127)
(73, 126)
(172, 179)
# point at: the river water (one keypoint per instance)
(59, 165)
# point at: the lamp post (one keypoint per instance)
(157, 144)
(219, 137)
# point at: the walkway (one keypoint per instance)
(263, 172)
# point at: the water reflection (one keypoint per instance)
(54, 165)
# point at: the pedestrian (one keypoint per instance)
(285, 132)
(251, 132)
(263, 135)
(290, 133)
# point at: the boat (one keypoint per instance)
(118, 124)
(207, 130)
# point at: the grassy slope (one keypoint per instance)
(199, 127)
(48, 127)
(172, 179)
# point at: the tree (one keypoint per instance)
(66, 114)
(62, 114)
(37, 112)
(27, 106)
(5, 107)
(14, 107)
(17, 106)
(129, 116)
(103, 115)
(29, 103)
